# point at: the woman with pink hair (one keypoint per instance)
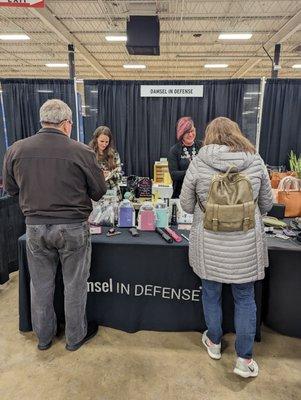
(182, 153)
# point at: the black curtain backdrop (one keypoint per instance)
(281, 120)
(23, 98)
(144, 128)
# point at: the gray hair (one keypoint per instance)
(55, 111)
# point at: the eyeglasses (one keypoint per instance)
(66, 120)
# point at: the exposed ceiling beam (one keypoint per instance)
(283, 34)
(50, 20)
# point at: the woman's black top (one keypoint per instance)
(178, 163)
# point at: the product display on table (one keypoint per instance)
(173, 235)
(144, 188)
(134, 232)
(126, 214)
(160, 168)
(182, 216)
(113, 232)
(185, 237)
(298, 237)
(184, 227)
(129, 196)
(289, 232)
(103, 214)
(277, 211)
(164, 235)
(296, 224)
(162, 214)
(272, 221)
(289, 194)
(95, 216)
(276, 177)
(147, 217)
(95, 230)
(162, 191)
(174, 218)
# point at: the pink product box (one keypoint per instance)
(147, 221)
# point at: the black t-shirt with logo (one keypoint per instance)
(178, 162)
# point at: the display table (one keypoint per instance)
(137, 284)
(282, 292)
(11, 227)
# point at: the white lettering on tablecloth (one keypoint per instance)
(138, 290)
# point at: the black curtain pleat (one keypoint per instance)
(144, 128)
(23, 98)
(281, 121)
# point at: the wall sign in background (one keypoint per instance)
(23, 3)
(171, 90)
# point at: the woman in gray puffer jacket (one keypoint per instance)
(238, 258)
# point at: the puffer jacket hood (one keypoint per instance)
(220, 157)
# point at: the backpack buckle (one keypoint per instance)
(214, 224)
(246, 223)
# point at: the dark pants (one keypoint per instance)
(46, 245)
(244, 317)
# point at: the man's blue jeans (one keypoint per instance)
(245, 314)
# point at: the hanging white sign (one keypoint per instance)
(23, 3)
(172, 90)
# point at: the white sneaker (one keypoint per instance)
(214, 350)
(246, 370)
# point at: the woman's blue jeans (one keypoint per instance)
(244, 318)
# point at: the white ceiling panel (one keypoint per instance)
(189, 38)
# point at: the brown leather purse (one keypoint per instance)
(277, 176)
(289, 193)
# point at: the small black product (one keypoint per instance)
(134, 232)
(164, 235)
(174, 220)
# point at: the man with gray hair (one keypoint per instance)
(55, 178)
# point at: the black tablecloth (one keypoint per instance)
(11, 227)
(145, 283)
(282, 288)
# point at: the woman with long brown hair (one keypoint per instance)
(107, 156)
(219, 250)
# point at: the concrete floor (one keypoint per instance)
(145, 366)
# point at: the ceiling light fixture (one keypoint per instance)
(216, 66)
(134, 66)
(116, 38)
(57, 65)
(17, 36)
(235, 36)
(296, 66)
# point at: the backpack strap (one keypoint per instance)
(247, 215)
(215, 217)
(201, 205)
(232, 168)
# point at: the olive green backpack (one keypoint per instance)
(230, 205)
